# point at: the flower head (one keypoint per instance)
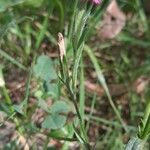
(96, 1)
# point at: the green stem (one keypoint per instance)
(74, 100)
(82, 92)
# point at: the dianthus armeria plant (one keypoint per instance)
(69, 68)
(69, 76)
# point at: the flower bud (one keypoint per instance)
(61, 46)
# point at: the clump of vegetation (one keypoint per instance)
(74, 76)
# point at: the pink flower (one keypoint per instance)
(96, 1)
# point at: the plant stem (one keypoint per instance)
(82, 92)
(74, 100)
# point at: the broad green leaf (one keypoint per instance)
(134, 144)
(44, 68)
(59, 107)
(56, 120)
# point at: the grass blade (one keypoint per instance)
(12, 60)
(104, 85)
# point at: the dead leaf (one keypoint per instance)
(140, 84)
(23, 141)
(113, 22)
(91, 87)
(115, 89)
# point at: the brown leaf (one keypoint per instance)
(140, 84)
(115, 89)
(91, 87)
(113, 22)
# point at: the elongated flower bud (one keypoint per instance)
(61, 45)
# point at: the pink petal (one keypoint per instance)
(96, 1)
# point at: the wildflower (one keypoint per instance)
(96, 1)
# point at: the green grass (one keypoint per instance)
(29, 29)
